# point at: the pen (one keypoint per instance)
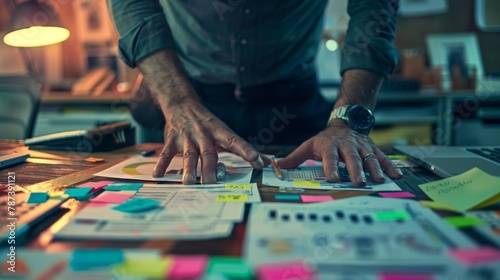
(148, 153)
(221, 171)
(277, 169)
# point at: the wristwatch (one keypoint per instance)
(358, 117)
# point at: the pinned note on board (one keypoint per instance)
(232, 198)
(472, 189)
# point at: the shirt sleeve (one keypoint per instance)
(370, 35)
(142, 27)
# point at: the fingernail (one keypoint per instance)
(258, 164)
(334, 175)
(189, 178)
(156, 173)
(399, 171)
(209, 179)
(361, 178)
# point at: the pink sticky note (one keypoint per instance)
(111, 197)
(289, 270)
(310, 163)
(315, 198)
(187, 267)
(471, 256)
(95, 185)
(404, 276)
(396, 194)
(96, 204)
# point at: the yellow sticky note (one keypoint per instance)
(305, 183)
(438, 205)
(238, 187)
(232, 198)
(464, 191)
(147, 268)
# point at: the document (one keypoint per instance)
(470, 190)
(182, 213)
(313, 177)
(141, 168)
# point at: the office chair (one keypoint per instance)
(19, 103)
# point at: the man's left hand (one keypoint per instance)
(337, 143)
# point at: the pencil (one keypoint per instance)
(277, 169)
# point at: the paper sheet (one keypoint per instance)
(472, 189)
(314, 178)
(141, 168)
(183, 213)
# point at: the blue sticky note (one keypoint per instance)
(85, 259)
(38, 197)
(124, 187)
(78, 192)
(288, 197)
(134, 205)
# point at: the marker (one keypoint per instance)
(221, 171)
(148, 153)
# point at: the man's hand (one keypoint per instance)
(337, 143)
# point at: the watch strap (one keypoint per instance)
(338, 113)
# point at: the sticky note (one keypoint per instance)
(187, 267)
(305, 183)
(288, 197)
(124, 187)
(229, 267)
(465, 191)
(38, 197)
(437, 205)
(96, 204)
(232, 198)
(95, 185)
(84, 259)
(111, 197)
(147, 268)
(288, 270)
(311, 163)
(315, 198)
(396, 194)
(405, 276)
(238, 187)
(137, 204)
(461, 221)
(78, 192)
(471, 256)
(392, 216)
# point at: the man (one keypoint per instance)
(226, 73)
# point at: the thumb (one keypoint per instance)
(301, 154)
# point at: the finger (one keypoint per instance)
(166, 156)
(298, 156)
(237, 145)
(191, 155)
(330, 158)
(354, 164)
(265, 159)
(209, 158)
(390, 167)
(371, 165)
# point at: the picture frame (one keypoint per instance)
(457, 49)
(487, 11)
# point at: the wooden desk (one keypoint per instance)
(52, 171)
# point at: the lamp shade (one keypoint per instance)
(34, 24)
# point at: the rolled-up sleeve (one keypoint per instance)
(142, 27)
(370, 35)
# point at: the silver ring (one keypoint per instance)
(368, 156)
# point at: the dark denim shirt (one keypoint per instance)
(251, 42)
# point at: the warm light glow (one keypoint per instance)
(332, 45)
(36, 36)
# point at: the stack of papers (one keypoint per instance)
(162, 211)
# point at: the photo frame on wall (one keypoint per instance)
(448, 51)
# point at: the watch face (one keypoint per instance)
(360, 118)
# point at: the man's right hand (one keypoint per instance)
(195, 131)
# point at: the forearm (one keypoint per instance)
(359, 87)
(166, 78)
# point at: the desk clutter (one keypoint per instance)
(389, 234)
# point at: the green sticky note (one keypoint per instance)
(392, 216)
(137, 204)
(38, 197)
(124, 187)
(471, 189)
(144, 268)
(233, 268)
(461, 222)
(78, 192)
